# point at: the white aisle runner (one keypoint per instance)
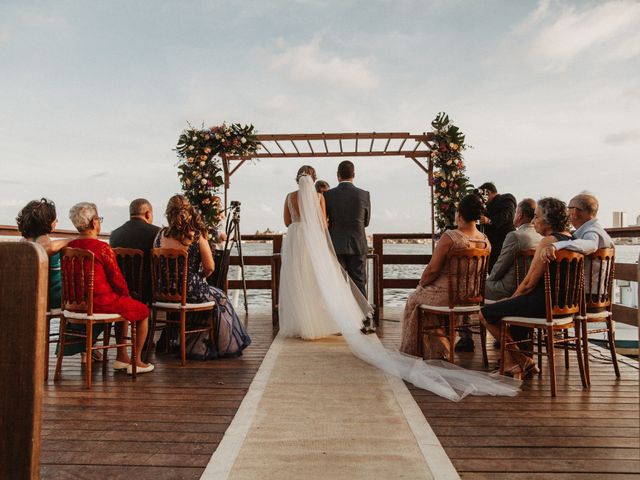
(314, 411)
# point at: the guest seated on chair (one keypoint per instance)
(502, 280)
(186, 231)
(589, 234)
(35, 222)
(139, 233)
(551, 221)
(110, 294)
(433, 286)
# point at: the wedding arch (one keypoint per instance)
(210, 157)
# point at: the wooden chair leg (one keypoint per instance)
(212, 328)
(579, 351)
(183, 338)
(452, 337)
(483, 341)
(565, 335)
(88, 350)
(611, 334)
(552, 360)
(584, 327)
(134, 351)
(106, 338)
(503, 348)
(46, 348)
(538, 332)
(61, 336)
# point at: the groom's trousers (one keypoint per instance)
(356, 267)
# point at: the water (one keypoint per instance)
(392, 297)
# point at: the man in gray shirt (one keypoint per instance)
(502, 280)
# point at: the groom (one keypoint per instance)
(348, 211)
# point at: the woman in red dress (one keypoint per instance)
(110, 291)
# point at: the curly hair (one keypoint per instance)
(471, 207)
(306, 170)
(183, 220)
(36, 218)
(554, 213)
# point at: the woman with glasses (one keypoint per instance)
(110, 294)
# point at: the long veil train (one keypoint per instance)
(341, 299)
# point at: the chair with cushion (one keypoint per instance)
(466, 284)
(598, 286)
(49, 336)
(77, 307)
(169, 286)
(563, 285)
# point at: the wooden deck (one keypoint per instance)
(167, 424)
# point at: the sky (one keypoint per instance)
(94, 95)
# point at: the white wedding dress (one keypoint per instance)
(317, 299)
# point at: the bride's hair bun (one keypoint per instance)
(306, 170)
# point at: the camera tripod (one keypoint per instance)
(234, 238)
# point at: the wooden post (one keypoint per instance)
(23, 305)
(378, 247)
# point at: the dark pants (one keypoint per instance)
(356, 267)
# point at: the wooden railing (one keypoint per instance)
(11, 231)
(623, 271)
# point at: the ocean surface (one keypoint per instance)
(392, 297)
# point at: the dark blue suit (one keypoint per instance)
(349, 211)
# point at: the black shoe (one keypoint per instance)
(367, 330)
(496, 344)
(465, 345)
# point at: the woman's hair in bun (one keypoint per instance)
(306, 170)
(471, 207)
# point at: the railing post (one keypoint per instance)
(378, 247)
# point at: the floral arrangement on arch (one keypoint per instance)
(449, 180)
(200, 165)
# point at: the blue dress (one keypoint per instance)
(231, 338)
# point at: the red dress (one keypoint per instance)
(110, 291)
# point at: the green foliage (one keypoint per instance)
(200, 165)
(449, 179)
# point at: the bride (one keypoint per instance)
(318, 299)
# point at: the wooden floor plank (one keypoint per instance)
(167, 424)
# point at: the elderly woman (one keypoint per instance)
(550, 220)
(433, 286)
(110, 294)
(35, 222)
(187, 232)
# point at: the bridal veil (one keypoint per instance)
(334, 294)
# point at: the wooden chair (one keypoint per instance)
(169, 286)
(466, 285)
(598, 287)
(130, 261)
(50, 337)
(77, 307)
(563, 300)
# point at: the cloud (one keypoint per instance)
(117, 202)
(561, 34)
(628, 136)
(307, 63)
(12, 202)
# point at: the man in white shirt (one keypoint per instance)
(589, 234)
